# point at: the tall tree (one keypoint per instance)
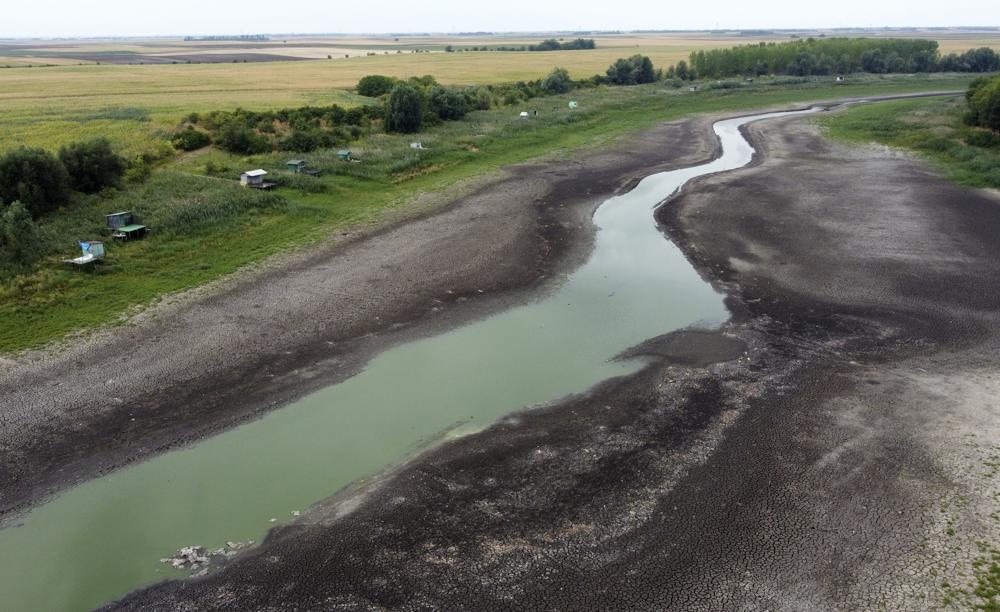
(34, 177)
(404, 111)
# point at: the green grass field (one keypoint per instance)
(931, 127)
(53, 301)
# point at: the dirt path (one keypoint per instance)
(842, 462)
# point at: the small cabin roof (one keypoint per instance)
(257, 172)
(295, 162)
(117, 214)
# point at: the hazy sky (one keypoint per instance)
(130, 17)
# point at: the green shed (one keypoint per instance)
(344, 155)
(296, 165)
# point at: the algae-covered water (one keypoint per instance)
(98, 541)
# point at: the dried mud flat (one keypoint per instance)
(835, 448)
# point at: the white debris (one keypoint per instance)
(188, 556)
(296, 513)
(196, 557)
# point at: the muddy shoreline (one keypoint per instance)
(806, 461)
(213, 362)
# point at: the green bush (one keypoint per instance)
(404, 111)
(35, 178)
(190, 139)
(635, 70)
(92, 165)
(305, 140)
(983, 99)
(484, 99)
(19, 241)
(448, 104)
(375, 85)
(557, 82)
(236, 138)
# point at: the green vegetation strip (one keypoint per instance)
(932, 127)
(212, 238)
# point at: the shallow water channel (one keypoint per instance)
(104, 538)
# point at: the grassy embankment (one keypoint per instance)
(932, 127)
(189, 248)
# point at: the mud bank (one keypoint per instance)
(826, 449)
(205, 364)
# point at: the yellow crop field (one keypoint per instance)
(131, 103)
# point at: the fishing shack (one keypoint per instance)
(125, 226)
(255, 179)
(298, 166)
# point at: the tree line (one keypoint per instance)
(835, 56)
(34, 182)
(411, 105)
(552, 44)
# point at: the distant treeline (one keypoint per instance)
(838, 56)
(224, 38)
(554, 45)
(550, 44)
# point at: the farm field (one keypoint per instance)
(130, 104)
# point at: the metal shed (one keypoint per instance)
(252, 178)
(296, 165)
(255, 179)
(119, 219)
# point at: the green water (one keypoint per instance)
(104, 538)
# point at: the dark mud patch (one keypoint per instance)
(693, 348)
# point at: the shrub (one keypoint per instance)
(190, 139)
(984, 103)
(92, 165)
(236, 138)
(305, 140)
(19, 241)
(447, 104)
(484, 99)
(404, 111)
(34, 177)
(375, 85)
(632, 71)
(557, 82)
